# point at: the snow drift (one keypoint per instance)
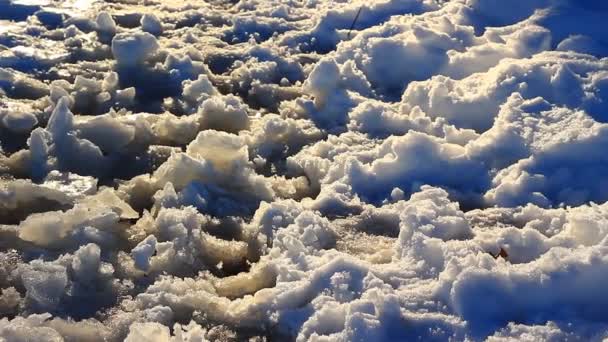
(191, 171)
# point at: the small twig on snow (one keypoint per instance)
(354, 22)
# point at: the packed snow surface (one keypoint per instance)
(256, 170)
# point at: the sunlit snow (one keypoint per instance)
(228, 170)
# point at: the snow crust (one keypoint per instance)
(256, 170)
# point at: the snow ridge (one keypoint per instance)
(255, 170)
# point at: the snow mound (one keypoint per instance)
(389, 170)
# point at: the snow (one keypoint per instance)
(143, 252)
(18, 122)
(259, 170)
(105, 23)
(151, 24)
(133, 48)
(226, 114)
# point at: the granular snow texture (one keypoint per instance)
(256, 170)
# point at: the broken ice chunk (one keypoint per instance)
(143, 252)
(151, 24)
(108, 198)
(131, 49)
(70, 184)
